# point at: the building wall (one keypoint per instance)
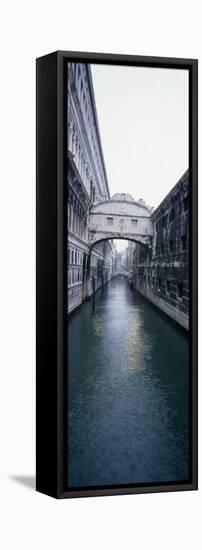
(87, 183)
(161, 273)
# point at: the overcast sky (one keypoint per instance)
(143, 119)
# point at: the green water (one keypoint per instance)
(128, 393)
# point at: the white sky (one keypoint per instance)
(143, 120)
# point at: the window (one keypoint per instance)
(164, 220)
(81, 89)
(167, 287)
(171, 247)
(172, 214)
(185, 203)
(72, 256)
(159, 283)
(183, 243)
(134, 223)
(179, 290)
(110, 221)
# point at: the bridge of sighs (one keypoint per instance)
(120, 218)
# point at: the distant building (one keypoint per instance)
(129, 256)
(161, 273)
(87, 183)
(118, 261)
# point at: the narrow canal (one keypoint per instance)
(127, 392)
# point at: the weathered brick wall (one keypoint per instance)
(162, 273)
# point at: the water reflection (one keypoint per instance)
(128, 393)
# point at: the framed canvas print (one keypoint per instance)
(116, 274)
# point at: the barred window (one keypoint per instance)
(172, 214)
(171, 245)
(183, 243)
(168, 286)
(179, 290)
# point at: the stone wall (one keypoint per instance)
(161, 273)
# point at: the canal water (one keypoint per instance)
(128, 392)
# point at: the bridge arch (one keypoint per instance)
(145, 241)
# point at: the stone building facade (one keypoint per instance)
(161, 273)
(87, 183)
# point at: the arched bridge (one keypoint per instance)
(123, 273)
(120, 218)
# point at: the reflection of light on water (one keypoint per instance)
(138, 346)
(128, 394)
(98, 329)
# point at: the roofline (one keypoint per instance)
(170, 193)
(92, 94)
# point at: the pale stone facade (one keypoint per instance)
(87, 183)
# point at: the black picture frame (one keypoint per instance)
(50, 273)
